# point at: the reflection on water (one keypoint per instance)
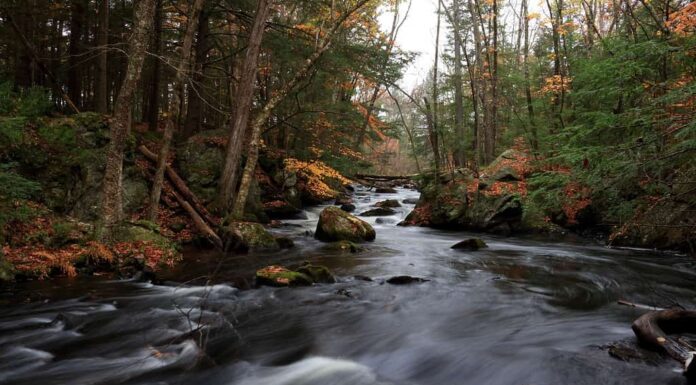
(520, 312)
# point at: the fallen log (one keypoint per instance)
(638, 305)
(652, 330)
(201, 225)
(180, 185)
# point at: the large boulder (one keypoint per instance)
(248, 236)
(471, 244)
(337, 225)
(389, 203)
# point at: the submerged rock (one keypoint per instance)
(279, 276)
(405, 280)
(349, 208)
(344, 246)
(384, 221)
(285, 242)
(471, 244)
(389, 203)
(410, 201)
(318, 274)
(337, 225)
(378, 212)
(248, 236)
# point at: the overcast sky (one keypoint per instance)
(417, 35)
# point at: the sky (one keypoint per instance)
(417, 35)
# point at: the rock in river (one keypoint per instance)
(349, 208)
(385, 190)
(471, 244)
(378, 212)
(279, 276)
(337, 225)
(405, 280)
(248, 236)
(388, 203)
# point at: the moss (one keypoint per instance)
(318, 274)
(337, 225)
(142, 231)
(249, 236)
(279, 276)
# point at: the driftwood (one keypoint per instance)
(200, 223)
(384, 177)
(638, 305)
(652, 331)
(180, 186)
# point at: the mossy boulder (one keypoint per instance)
(378, 212)
(471, 244)
(285, 242)
(337, 225)
(248, 236)
(318, 274)
(6, 270)
(279, 276)
(389, 203)
(142, 231)
(345, 246)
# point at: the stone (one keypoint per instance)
(279, 276)
(389, 203)
(378, 212)
(405, 280)
(385, 190)
(248, 236)
(348, 208)
(471, 244)
(337, 225)
(318, 274)
(410, 201)
(285, 242)
(343, 200)
(344, 246)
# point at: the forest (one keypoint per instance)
(252, 192)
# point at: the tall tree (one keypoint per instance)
(182, 69)
(112, 204)
(242, 110)
(102, 91)
(75, 59)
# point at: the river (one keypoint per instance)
(523, 311)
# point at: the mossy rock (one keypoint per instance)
(378, 212)
(389, 203)
(279, 276)
(337, 225)
(142, 231)
(7, 272)
(471, 244)
(285, 242)
(346, 246)
(318, 274)
(249, 236)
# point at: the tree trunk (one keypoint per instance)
(77, 18)
(434, 119)
(152, 100)
(112, 204)
(102, 92)
(242, 110)
(194, 115)
(280, 95)
(432, 135)
(460, 133)
(182, 70)
(527, 88)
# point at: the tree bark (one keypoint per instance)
(153, 98)
(433, 123)
(242, 110)
(77, 18)
(432, 135)
(460, 133)
(182, 70)
(194, 114)
(112, 204)
(102, 92)
(253, 154)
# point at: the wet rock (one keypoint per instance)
(280, 209)
(285, 242)
(279, 276)
(405, 280)
(337, 225)
(410, 201)
(344, 246)
(389, 203)
(385, 190)
(630, 351)
(363, 278)
(343, 200)
(384, 221)
(248, 236)
(378, 212)
(344, 292)
(318, 274)
(471, 244)
(349, 208)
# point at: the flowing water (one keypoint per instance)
(523, 311)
